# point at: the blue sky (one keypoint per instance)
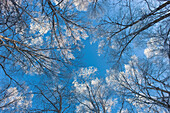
(91, 58)
(88, 55)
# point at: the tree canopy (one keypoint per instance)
(41, 50)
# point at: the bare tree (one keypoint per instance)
(92, 94)
(143, 84)
(130, 24)
(141, 28)
(53, 96)
(14, 98)
(39, 36)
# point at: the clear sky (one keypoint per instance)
(91, 58)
